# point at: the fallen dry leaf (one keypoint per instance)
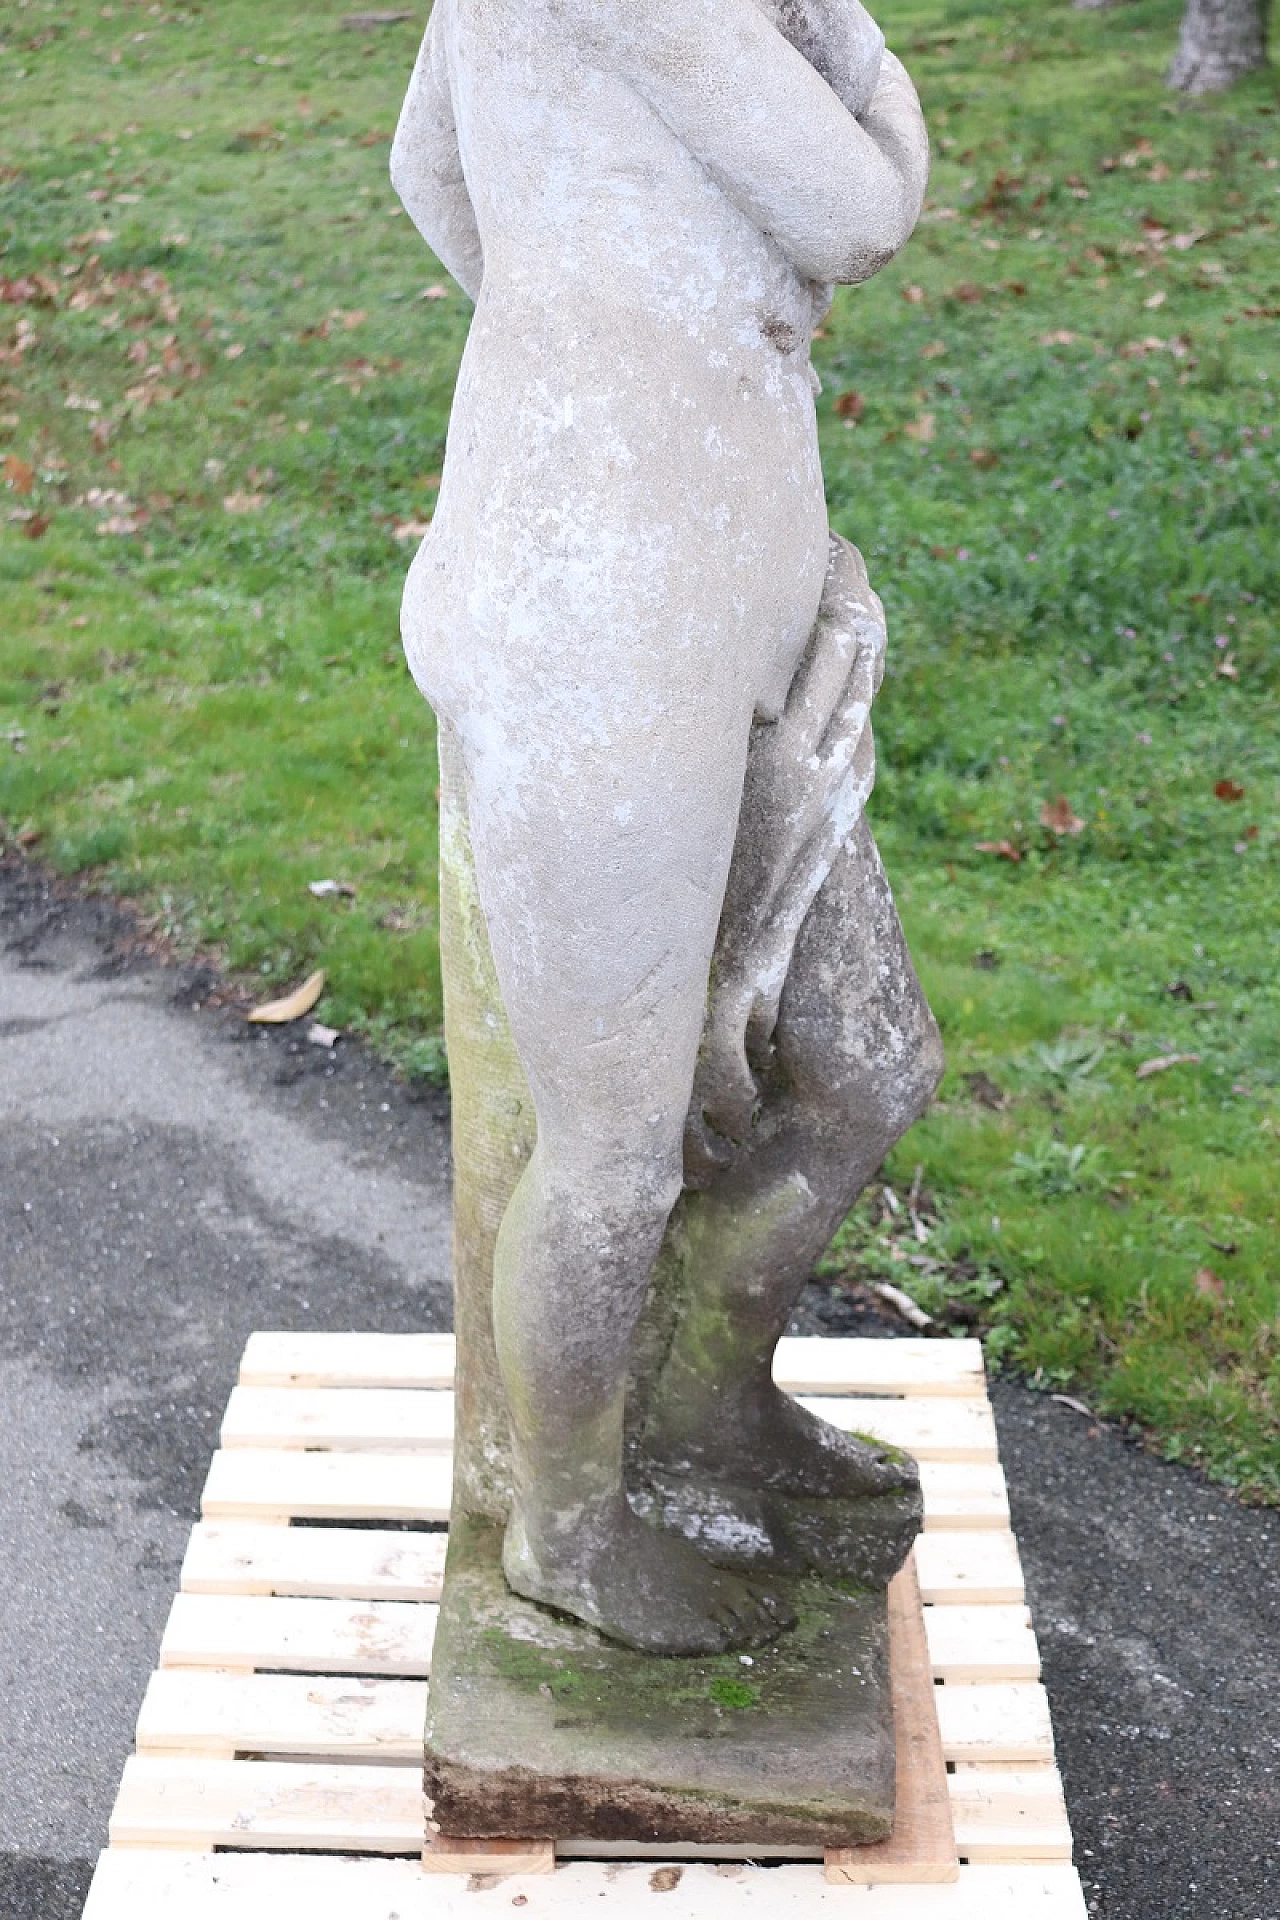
(1163, 1062)
(410, 529)
(244, 502)
(1059, 816)
(849, 406)
(921, 428)
(234, 351)
(1228, 790)
(278, 1013)
(434, 292)
(984, 457)
(19, 474)
(1005, 849)
(913, 295)
(1061, 338)
(37, 526)
(1156, 300)
(934, 350)
(1208, 1284)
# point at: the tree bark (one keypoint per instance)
(1220, 41)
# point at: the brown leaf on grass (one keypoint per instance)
(1061, 337)
(968, 292)
(278, 1013)
(1005, 849)
(434, 292)
(982, 1088)
(19, 474)
(849, 406)
(984, 457)
(37, 526)
(921, 428)
(934, 350)
(913, 295)
(1059, 816)
(240, 502)
(1228, 790)
(411, 529)
(1208, 1284)
(29, 837)
(1163, 1062)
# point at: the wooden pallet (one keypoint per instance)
(285, 1719)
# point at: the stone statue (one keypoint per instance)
(682, 1023)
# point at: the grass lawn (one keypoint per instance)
(1052, 428)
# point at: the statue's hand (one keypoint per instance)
(808, 777)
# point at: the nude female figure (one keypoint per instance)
(630, 619)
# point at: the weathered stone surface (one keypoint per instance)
(538, 1726)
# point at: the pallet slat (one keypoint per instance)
(325, 1563)
(237, 1803)
(256, 1483)
(392, 1420)
(203, 1803)
(981, 1644)
(365, 1563)
(248, 1631)
(955, 1569)
(134, 1885)
(189, 1710)
(280, 1715)
(427, 1360)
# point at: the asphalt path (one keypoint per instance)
(171, 1179)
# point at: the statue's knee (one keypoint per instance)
(885, 1090)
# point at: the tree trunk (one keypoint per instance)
(1220, 41)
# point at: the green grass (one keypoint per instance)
(1065, 479)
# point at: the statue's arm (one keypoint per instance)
(839, 196)
(426, 168)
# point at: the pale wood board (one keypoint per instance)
(303, 1636)
(196, 1801)
(258, 1483)
(134, 1885)
(427, 1360)
(955, 1569)
(337, 1563)
(288, 1710)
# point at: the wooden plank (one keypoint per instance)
(256, 1803)
(931, 1429)
(348, 1360)
(981, 1643)
(427, 1360)
(135, 1885)
(910, 1367)
(255, 1483)
(341, 1419)
(328, 1563)
(387, 1420)
(969, 1568)
(921, 1851)
(247, 1631)
(960, 1494)
(488, 1857)
(1006, 1722)
(193, 1710)
(1003, 1816)
(251, 1483)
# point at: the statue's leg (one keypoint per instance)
(858, 1058)
(601, 896)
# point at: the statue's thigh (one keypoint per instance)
(602, 894)
(852, 1010)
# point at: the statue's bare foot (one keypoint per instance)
(646, 1589)
(763, 1438)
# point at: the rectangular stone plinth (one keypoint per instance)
(538, 1725)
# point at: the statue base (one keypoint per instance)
(538, 1725)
